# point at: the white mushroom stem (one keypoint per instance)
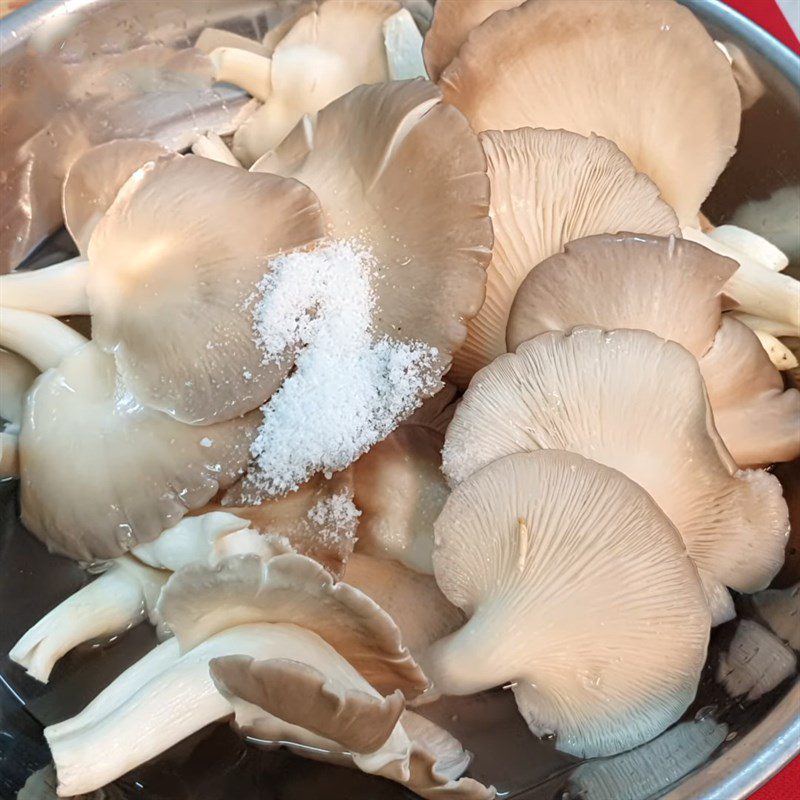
(162, 710)
(111, 604)
(249, 71)
(57, 290)
(779, 354)
(211, 146)
(40, 338)
(9, 455)
(757, 288)
(770, 326)
(751, 244)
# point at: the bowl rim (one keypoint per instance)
(775, 741)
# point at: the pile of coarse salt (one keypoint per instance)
(349, 388)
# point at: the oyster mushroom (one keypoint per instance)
(139, 470)
(528, 66)
(331, 48)
(38, 338)
(318, 520)
(549, 188)
(406, 262)
(336, 712)
(601, 394)
(403, 43)
(400, 489)
(780, 610)
(453, 20)
(610, 281)
(612, 624)
(168, 284)
(421, 612)
(117, 600)
(286, 608)
(212, 146)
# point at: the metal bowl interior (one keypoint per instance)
(760, 735)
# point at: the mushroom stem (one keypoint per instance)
(158, 713)
(9, 455)
(249, 71)
(779, 354)
(40, 338)
(211, 146)
(770, 326)
(756, 287)
(57, 290)
(113, 603)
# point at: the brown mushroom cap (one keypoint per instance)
(94, 179)
(402, 173)
(601, 394)
(101, 472)
(453, 20)
(755, 416)
(602, 68)
(168, 284)
(549, 188)
(579, 591)
(669, 286)
(200, 601)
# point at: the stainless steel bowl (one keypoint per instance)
(764, 735)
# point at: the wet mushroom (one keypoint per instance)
(407, 260)
(580, 596)
(38, 338)
(330, 49)
(549, 188)
(611, 280)
(168, 286)
(528, 66)
(400, 489)
(601, 394)
(16, 376)
(453, 20)
(139, 470)
(286, 608)
(337, 713)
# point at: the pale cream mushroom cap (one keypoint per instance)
(580, 594)
(652, 81)
(549, 188)
(169, 286)
(453, 20)
(102, 473)
(756, 417)
(430, 235)
(200, 601)
(637, 403)
(400, 489)
(94, 179)
(672, 287)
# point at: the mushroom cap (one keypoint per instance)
(669, 286)
(644, 93)
(168, 285)
(304, 695)
(601, 394)
(453, 20)
(199, 601)
(431, 236)
(421, 612)
(102, 473)
(579, 591)
(549, 188)
(318, 520)
(755, 416)
(94, 179)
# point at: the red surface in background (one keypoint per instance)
(786, 785)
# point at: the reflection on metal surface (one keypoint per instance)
(641, 773)
(760, 191)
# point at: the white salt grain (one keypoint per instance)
(349, 388)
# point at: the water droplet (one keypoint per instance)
(706, 712)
